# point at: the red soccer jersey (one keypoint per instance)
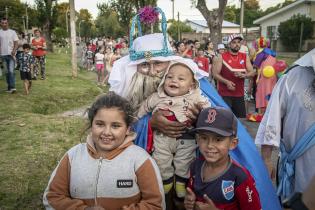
(233, 190)
(203, 63)
(230, 64)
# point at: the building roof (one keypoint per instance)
(203, 23)
(283, 9)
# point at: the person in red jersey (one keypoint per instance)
(230, 70)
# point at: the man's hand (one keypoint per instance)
(190, 199)
(240, 74)
(172, 129)
(230, 85)
(208, 205)
(194, 110)
(13, 53)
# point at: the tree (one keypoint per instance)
(231, 13)
(107, 24)
(84, 23)
(173, 29)
(125, 11)
(277, 7)
(289, 31)
(47, 15)
(214, 19)
(63, 17)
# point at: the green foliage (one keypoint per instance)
(231, 13)
(289, 31)
(252, 12)
(84, 24)
(173, 29)
(109, 25)
(277, 7)
(60, 34)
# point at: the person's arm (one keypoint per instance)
(151, 188)
(250, 72)
(15, 47)
(216, 70)
(57, 194)
(266, 153)
(147, 106)
(247, 194)
(169, 128)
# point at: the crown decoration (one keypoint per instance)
(148, 15)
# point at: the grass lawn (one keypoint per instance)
(33, 134)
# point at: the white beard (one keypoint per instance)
(141, 87)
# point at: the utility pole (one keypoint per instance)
(173, 7)
(242, 17)
(26, 20)
(73, 40)
(301, 38)
(178, 31)
(67, 25)
(6, 12)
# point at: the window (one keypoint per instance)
(272, 33)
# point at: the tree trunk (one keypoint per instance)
(47, 35)
(214, 20)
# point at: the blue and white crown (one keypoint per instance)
(148, 54)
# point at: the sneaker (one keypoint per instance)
(34, 78)
(13, 90)
(42, 78)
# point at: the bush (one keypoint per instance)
(289, 31)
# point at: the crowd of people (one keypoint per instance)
(26, 56)
(167, 134)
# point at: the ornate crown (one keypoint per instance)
(136, 55)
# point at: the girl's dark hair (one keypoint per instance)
(206, 46)
(111, 100)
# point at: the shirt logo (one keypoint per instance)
(124, 183)
(211, 116)
(227, 189)
(242, 61)
(249, 194)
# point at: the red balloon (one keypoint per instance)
(280, 66)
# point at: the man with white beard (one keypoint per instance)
(137, 76)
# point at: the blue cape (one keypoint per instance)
(245, 153)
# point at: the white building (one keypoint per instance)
(200, 26)
(269, 23)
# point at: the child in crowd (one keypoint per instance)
(108, 171)
(108, 62)
(26, 61)
(89, 58)
(99, 64)
(178, 90)
(216, 181)
(202, 61)
(221, 49)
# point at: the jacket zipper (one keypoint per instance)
(96, 181)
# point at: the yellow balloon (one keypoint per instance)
(268, 71)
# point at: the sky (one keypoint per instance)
(184, 7)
